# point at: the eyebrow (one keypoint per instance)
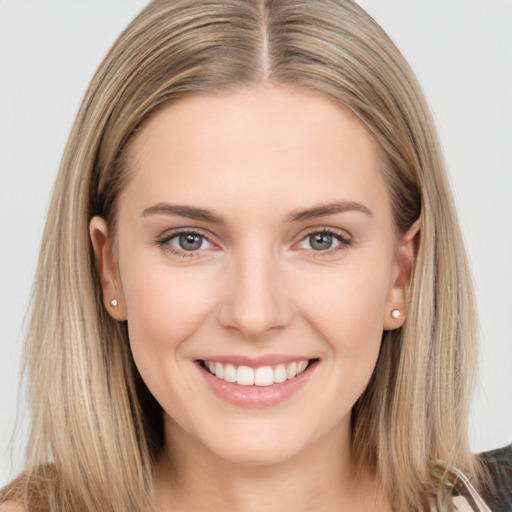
(323, 210)
(190, 212)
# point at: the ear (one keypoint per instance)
(113, 297)
(397, 297)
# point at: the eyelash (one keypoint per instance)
(163, 242)
(344, 241)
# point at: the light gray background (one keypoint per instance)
(462, 53)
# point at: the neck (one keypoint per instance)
(322, 478)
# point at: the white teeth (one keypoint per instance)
(301, 366)
(291, 370)
(245, 376)
(219, 370)
(229, 373)
(280, 373)
(262, 376)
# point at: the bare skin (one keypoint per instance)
(9, 506)
(315, 480)
(256, 227)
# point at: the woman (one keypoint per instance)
(252, 292)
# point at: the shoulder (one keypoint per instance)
(10, 506)
(497, 489)
(28, 491)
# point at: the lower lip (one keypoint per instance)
(256, 396)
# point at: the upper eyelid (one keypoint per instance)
(168, 235)
(171, 233)
(342, 233)
(345, 240)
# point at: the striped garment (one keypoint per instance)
(496, 495)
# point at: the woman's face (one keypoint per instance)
(254, 237)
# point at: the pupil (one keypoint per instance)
(190, 242)
(321, 241)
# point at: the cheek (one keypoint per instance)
(165, 308)
(350, 303)
(347, 309)
(165, 305)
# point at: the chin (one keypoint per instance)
(257, 455)
(256, 450)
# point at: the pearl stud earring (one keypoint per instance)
(395, 313)
(113, 303)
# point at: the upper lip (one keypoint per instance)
(256, 362)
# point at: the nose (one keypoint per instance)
(256, 301)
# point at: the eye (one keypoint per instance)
(186, 242)
(324, 240)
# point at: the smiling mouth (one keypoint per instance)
(261, 376)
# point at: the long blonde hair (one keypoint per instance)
(96, 429)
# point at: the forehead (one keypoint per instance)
(276, 145)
